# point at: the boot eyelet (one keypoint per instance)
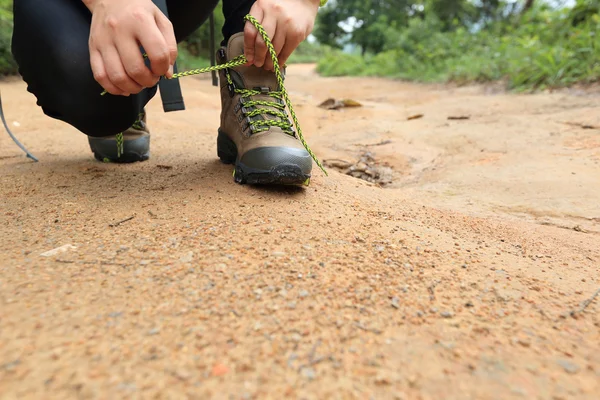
(231, 88)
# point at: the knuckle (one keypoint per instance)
(298, 34)
(137, 71)
(100, 76)
(161, 56)
(119, 79)
(139, 13)
(112, 22)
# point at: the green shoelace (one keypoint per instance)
(276, 108)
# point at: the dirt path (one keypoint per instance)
(464, 277)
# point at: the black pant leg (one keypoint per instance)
(187, 16)
(50, 45)
(234, 12)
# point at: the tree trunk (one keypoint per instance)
(528, 5)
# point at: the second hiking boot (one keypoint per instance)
(256, 134)
(131, 146)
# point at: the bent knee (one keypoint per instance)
(101, 118)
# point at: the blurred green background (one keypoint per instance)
(528, 44)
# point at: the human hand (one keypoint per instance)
(287, 23)
(117, 31)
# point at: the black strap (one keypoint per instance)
(170, 90)
(212, 50)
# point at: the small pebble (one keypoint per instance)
(395, 302)
(303, 293)
(568, 366)
(153, 331)
(447, 314)
(309, 373)
(219, 370)
(291, 305)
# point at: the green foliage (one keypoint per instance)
(543, 48)
(7, 63)
(198, 43)
(309, 53)
(368, 20)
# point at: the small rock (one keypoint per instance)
(396, 302)
(187, 258)
(568, 366)
(219, 370)
(303, 293)
(447, 314)
(10, 366)
(469, 304)
(58, 250)
(296, 337)
(291, 305)
(309, 373)
(154, 331)
(382, 380)
(524, 342)
(278, 254)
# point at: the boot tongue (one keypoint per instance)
(252, 77)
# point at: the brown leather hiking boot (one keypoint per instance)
(256, 134)
(135, 144)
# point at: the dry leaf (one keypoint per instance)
(333, 104)
(351, 103)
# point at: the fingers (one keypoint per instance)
(116, 72)
(296, 35)
(100, 74)
(155, 46)
(250, 34)
(166, 28)
(134, 65)
(278, 44)
(260, 48)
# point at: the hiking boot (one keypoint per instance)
(256, 134)
(130, 146)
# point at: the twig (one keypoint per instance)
(585, 304)
(431, 289)
(581, 125)
(311, 355)
(459, 117)
(121, 222)
(364, 328)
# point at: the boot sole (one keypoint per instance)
(135, 150)
(282, 174)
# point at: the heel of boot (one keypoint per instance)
(226, 149)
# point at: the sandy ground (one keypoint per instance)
(464, 277)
